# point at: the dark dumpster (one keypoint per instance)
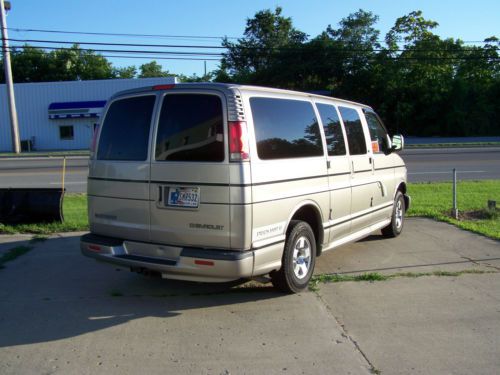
(31, 205)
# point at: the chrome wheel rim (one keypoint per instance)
(301, 257)
(399, 214)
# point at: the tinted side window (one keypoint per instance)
(190, 128)
(285, 128)
(354, 131)
(378, 134)
(333, 129)
(125, 131)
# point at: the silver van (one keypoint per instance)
(217, 182)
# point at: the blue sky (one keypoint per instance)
(467, 20)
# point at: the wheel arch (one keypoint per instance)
(402, 188)
(310, 212)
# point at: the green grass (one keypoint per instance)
(435, 200)
(75, 219)
(375, 276)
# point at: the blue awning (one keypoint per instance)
(87, 109)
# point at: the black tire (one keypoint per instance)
(395, 228)
(299, 258)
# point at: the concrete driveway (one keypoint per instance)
(63, 313)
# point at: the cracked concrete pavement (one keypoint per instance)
(63, 313)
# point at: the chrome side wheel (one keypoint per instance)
(299, 257)
(395, 228)
(398, 215)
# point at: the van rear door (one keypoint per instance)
(119, 173)
(190, 171)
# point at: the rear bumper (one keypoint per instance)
(182, 263)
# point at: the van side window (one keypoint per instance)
(285, 128)
(354, 131)
(190, 129)
(333, 130)
(378, 134)
(125, 130)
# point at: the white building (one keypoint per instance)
(61, 115)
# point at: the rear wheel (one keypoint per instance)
(299, 258)
(395, 228)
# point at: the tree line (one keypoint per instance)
(419, 83)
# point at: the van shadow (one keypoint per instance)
(53, 293)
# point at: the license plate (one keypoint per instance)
(184, 197)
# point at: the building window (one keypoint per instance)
(66, 132)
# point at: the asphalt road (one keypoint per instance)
(44, 172)
(423, 165)
(437, 164)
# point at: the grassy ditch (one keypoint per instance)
(435, 200)
(75, 219)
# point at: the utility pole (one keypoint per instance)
(5, 5)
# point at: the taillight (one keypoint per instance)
(94, 248)
(238, 141)
(204, 262)
(164, 87)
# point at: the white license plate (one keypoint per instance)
(184, 197)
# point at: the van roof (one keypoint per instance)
(230, 87)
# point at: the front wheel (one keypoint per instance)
(395, 228)
(299, 258)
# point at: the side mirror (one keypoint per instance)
(398, 142)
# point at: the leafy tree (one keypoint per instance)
(125, 72)
(153, 69)
(76, 64)
(30, 64)
(266, 35)
(195, 78)
(355, 43)
(410, 28)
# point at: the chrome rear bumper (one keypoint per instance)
(182, 263)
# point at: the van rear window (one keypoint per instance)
(125, 131)
(190, 129)
(285, 128)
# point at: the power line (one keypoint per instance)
(160, 58)
(200, 54)
(240, 47)
(125, 51)
(166, 36)
(114, 44)
(123, 34)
